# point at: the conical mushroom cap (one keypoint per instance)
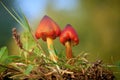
(69, 34)
(47, 28)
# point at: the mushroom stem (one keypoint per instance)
(68, 50)
(52, 52)
(51, 49)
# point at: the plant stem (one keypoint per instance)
(53, 55)
(39, 46)
(51, 49)
(9, 68)
(68, 50)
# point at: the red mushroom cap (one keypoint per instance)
(69, 34)
(47, 28)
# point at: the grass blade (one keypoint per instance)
(23, 22)
(28, 70)
(3, 55)
(11, 14)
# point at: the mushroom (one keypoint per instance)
(48, 30)
(69, 38)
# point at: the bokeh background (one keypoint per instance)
(97, 23)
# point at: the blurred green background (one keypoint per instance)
(97, 23)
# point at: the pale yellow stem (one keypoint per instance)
(52, 52)
(68, 50)
(51, 49)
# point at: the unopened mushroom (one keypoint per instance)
(48, 30)
(69, 38)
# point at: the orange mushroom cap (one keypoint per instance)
(69, 34)
(47, 28)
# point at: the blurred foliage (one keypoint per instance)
(97, 24)
(96, 21)
(6, 23)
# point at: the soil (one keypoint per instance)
(94, 72)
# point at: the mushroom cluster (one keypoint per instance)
(48, 30)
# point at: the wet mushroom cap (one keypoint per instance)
(69, 34)
(47, 28)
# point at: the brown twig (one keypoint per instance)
(9, 68)
(16, 37)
